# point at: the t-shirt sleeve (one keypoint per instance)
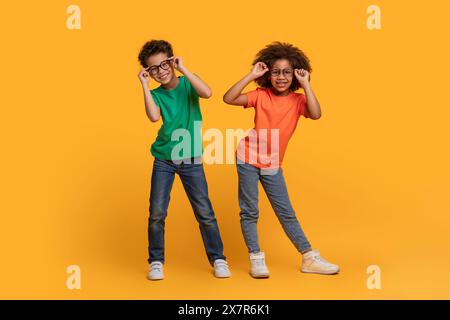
(252, 97)
(155, 98)
(192, 92)
(302, 106)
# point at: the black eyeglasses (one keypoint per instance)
(286, 72)
(153, 70)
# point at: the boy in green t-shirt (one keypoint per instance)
(176, 100)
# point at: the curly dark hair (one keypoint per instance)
(281, 50)
(154, 47)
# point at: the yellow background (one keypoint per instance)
(369, 180)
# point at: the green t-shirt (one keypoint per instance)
(180, 134)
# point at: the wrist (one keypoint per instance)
(305, 84)
(183, 70)
(251, 77)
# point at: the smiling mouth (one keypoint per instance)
(164, 76)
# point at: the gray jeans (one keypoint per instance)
(275, 188)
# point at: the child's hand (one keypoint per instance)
(259, 69)
(302, 76)
(177, 63)
(144, 76)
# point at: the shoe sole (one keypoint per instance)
(260, 276)
(323, 273)
(222, 276)
(154, 279)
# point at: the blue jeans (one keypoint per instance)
(275, 188)
(194, 183)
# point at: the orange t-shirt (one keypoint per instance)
(276, 118)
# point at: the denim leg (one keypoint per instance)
(194, 182)
(248, 203)
(162, 180)
(275, 188)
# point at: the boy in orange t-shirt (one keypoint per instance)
(279, 69)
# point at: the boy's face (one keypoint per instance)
(160, 68)
(281, 75)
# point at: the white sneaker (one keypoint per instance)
(258, 268)
(156, 271)
(314, 263)
(221, 269)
